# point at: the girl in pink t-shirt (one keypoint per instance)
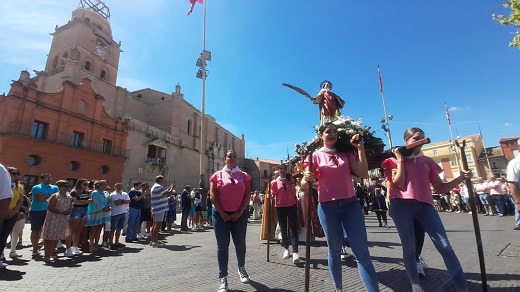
(338, 205)
(229, 191)
(284, 195)
(411, 200)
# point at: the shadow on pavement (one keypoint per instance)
(180, 247)
(11, 275)
(261, 287)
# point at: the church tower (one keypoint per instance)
(87, 41)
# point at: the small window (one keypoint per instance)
(453, 161)
(74, 165)
(39, 130)
(33, 160)
(434, 152)
(103, 75)
(162, 98)
(81, 106)
(494, 165)
(265, 172)
(106, 147)
(104, 169)
(77, 139)
(469, 158)
(155, 152)
(88, 66)
(139, 96)
(451, 149)
(188, 130)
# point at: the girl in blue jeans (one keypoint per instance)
(411, 199)
(338, 205)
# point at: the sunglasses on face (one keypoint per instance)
(48, 178)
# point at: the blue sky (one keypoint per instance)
(430, 52)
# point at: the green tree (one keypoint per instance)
(513, 19)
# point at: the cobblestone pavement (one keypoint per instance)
(188, 263)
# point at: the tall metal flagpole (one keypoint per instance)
(386, 118)
(202, 119)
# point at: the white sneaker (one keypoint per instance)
(286, 254)
(295, 258)
(76, 250)
(244, 277)
(69, 252)
(140, 236)
(223, 285)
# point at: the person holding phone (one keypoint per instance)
(160, 196)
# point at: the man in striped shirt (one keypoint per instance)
(159, 207)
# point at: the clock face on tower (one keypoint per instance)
(100, 53)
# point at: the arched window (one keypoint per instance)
(103, 75)
(188, 130)
(54, 62)
(81, 106)
(65, 55)
(88, 66)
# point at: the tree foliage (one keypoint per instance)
(513, 19)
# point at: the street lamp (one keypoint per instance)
(202, 73)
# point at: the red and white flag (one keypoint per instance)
(192, 4)
(380, 80)
(447, 114)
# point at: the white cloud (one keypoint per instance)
(453, 108)
(508, 124)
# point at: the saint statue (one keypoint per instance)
(330, 103)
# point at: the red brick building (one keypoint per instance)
(67, 133)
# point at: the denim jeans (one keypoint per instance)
(347, 213)
(288, 215)
(223, 230)
(404, 212)
(500, 203)
(134, 220)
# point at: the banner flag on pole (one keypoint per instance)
(380, 80)
(192, 3)
(447, 114)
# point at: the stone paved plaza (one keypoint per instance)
(188, 263)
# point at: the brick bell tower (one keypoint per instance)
(86, 40)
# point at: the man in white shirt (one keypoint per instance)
(481, 188)
(513, 178)
(6, 194)
(119, 201)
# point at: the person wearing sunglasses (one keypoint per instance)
(284, 194)
(38, 209)
(78, 216)
(230, 189)
(12, 212)
(56, 221)
(98, 214)
(338, 206)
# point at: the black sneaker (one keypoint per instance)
(244, 277)
(223, 285)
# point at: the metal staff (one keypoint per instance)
(474, 216)
(267, 220)
(309, 230)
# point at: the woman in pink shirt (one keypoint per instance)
(284, 194)
(229, 191)
(338, 205)
(411, 199)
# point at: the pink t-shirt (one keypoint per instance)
(333, 173)
(230, 195)
(419, 173)
(284, 197)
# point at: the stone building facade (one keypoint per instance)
(159, 133)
